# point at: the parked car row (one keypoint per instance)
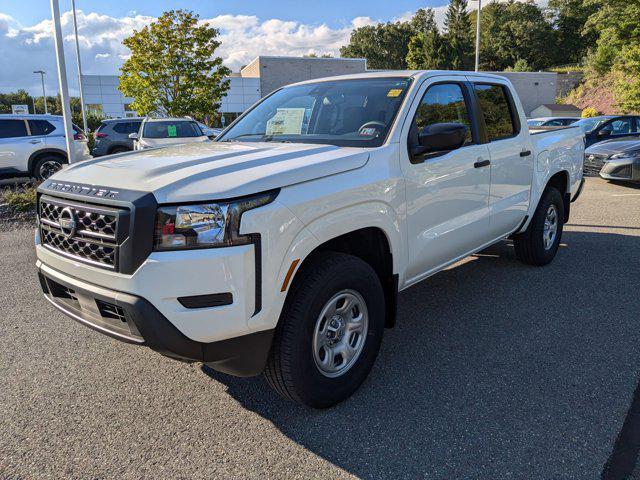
(35, 145)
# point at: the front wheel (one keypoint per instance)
(329, 332)
(538, 244)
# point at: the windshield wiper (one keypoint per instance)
(267, 138)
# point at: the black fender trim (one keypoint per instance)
(391, 300)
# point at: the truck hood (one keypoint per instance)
(214, 170)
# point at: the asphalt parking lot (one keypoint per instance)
(495, 370)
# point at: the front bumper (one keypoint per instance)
(133, 319)
(623, 169)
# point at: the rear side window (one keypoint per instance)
(13, 128)
(40, 127)
(169, 129)
(497, 110)
(443, 103)
(126, 127)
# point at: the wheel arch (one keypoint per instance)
(373, 246)
(35, 156)
(561, 180)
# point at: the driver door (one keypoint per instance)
(447, 192)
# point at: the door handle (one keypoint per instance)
(481, 163)
(526, 153)
(33, 142)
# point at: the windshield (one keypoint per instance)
(171, 129)
(348, 113)
(590, 124)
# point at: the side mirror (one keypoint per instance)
(133, 136)
(440, 137)
(604, 132)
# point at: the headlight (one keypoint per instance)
(617, 156)
(215, 224)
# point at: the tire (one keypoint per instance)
(534, 246)
(327, 280)
(46, 166)
(119, 150)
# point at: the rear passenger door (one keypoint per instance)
(511, 158)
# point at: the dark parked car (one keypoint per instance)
(614, 159)
(113, 136)
(607, 127)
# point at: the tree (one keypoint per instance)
(172, 69)
(514, 31)
(384, 45)
(616, 25)
(520, 66)
(426, 47)
(627, 86)
(458, 36)
(569, 18)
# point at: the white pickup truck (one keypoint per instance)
(281, 247)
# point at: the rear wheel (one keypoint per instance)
(46, 166)
(538, 245)
(329, 332)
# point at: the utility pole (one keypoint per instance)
(44, 94)
(478, 37)
(62, 78)
(82, 106)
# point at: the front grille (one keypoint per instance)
(90, 224)
(93, 237)
(593, 163)
(94, 252)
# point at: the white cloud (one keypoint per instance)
(28, 48)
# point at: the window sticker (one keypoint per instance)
(394, 92)
(172, 131)
(368, 131)
(286, 121)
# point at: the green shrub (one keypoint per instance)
(20, 199)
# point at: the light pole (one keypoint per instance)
(44, 94)
(62, 78)
(478, 36)
(82, 107)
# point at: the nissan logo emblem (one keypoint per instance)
(67, 222)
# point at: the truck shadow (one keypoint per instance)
(494, 369)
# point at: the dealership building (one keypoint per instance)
(265, 74)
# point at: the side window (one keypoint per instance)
(443, 103)
(40, 127)
(13, 128)
(555, 123)
(134, 127)
(498, 113)
(620, 126)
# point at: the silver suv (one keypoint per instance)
(113, 136)
(34, 145)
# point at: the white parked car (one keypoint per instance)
(35, 145)
(161, 132)
(281, 247)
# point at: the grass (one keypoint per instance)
(19, 198)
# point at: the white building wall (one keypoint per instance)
(103, 90)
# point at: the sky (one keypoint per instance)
(248, 28)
